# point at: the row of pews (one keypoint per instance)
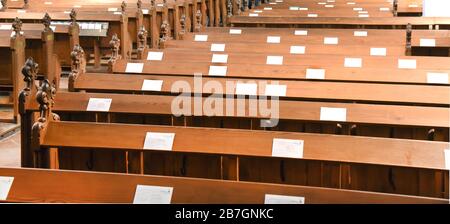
(332, 108)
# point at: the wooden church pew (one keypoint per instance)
(51, 186)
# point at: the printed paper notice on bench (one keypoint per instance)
(330, 40)
(274, 60)
(99, 104)
(290, 148)
(201, 38)
(246, 89)
(437, 78)
(283, 199)
(217, 70)
(360, 33)
(301, 33)
(219, 58)
(217, 47)
(315, 73)
(407, 63)
(273, 39)
(333, 114)
(297, 49)
(155, 56)
(134, 68)
(5, 186)
(152, 85)
(427, 42)
(377, 51)
(353, 62)
(146, 194)
(235, 31)
(275, 90)
(159, 141)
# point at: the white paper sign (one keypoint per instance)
(21, 11)
(246, 89)
(267, 8)
(362, 12)
(219, 58)
(99, 104)
(330, 40)
(217, 70)
(5, 186)
(155, 56)
(437, 78)
(297, 50)
(283, 199)
(293, 8)
(201, 38)
(427, 42)
(360, 33)
(407, 63)
(134, 67)
(152, 195)
(363, 15)
(257, 11)
(351, 3)
(159, 141)
(152, 85)
(145, 11)
(117, 13)
(321, 3)
(53, 28)
(447, 159)
(274, 60)
(6, 27)
(301, 33)
(313, 15)
(413, 6)
(112, 9)
(384, 9)
(333, 114)
(357, 9)
(48, 3)
(160, 5)
(329, 6)
(353, 62)
(289, 148)
(315, 73)
(275, 90)
(77, 6)
(303, 9)
(253, 14)
(273, 39)
(217, 47)
(378, 51)
(235, 31)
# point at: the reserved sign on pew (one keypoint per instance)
(155, 56)
(289, 148)
(146, 194)
(159, 141)
(134, 67)
(283, 199)
(99, 104)
(152, 85)
(5, 186)
(333, 114)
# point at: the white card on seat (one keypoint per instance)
(6, 27)
(219, 58)
(274, 60)
(357, 9)
(159, 141)
(447, 159)
(246, 89)
(353, 62)
(217, 47)
(321, 3)
(257, 11)
(303, 9)
(155, 56)
(301, 32)
(413, 6)
(134, 67)
(362, 12)
(235, 31)
(289, 148)
(99, 104)
(5, 186)
(312, 73)
(313, 15)
(378, 51)
(77, 6)
(333, 114)
(267, 8)
(112, 9)
(253, 14)
(385, 9)
(297, 50)
(217, 70)
(48, 3)
(146, 194)
(360, 33)
(275, 90)
(293, 8)
(330, 40)
(152, 85)
(273, 39)
(160, 5)
(363, 15)
(329, 6)
(427, 42)
(407, 63)
(351, 3)
(117, 13)
(437, 78)
(201, 38)
(21, 11)
(283, 199)
(145, 11)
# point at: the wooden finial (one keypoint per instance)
(4, 4)
(46, 21)
(115, 46)
(43, 98)
(139, 4)
(395, 7)
(239, 6)
(183, 27)
(164, 34)
(29, 72)
(17, 26)
(77, 66)
(229, 8)
(73, 16)
(123, 6)
(198, 26)
(142, 41)
(152, 3)
(408, 39)
(245, 5)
